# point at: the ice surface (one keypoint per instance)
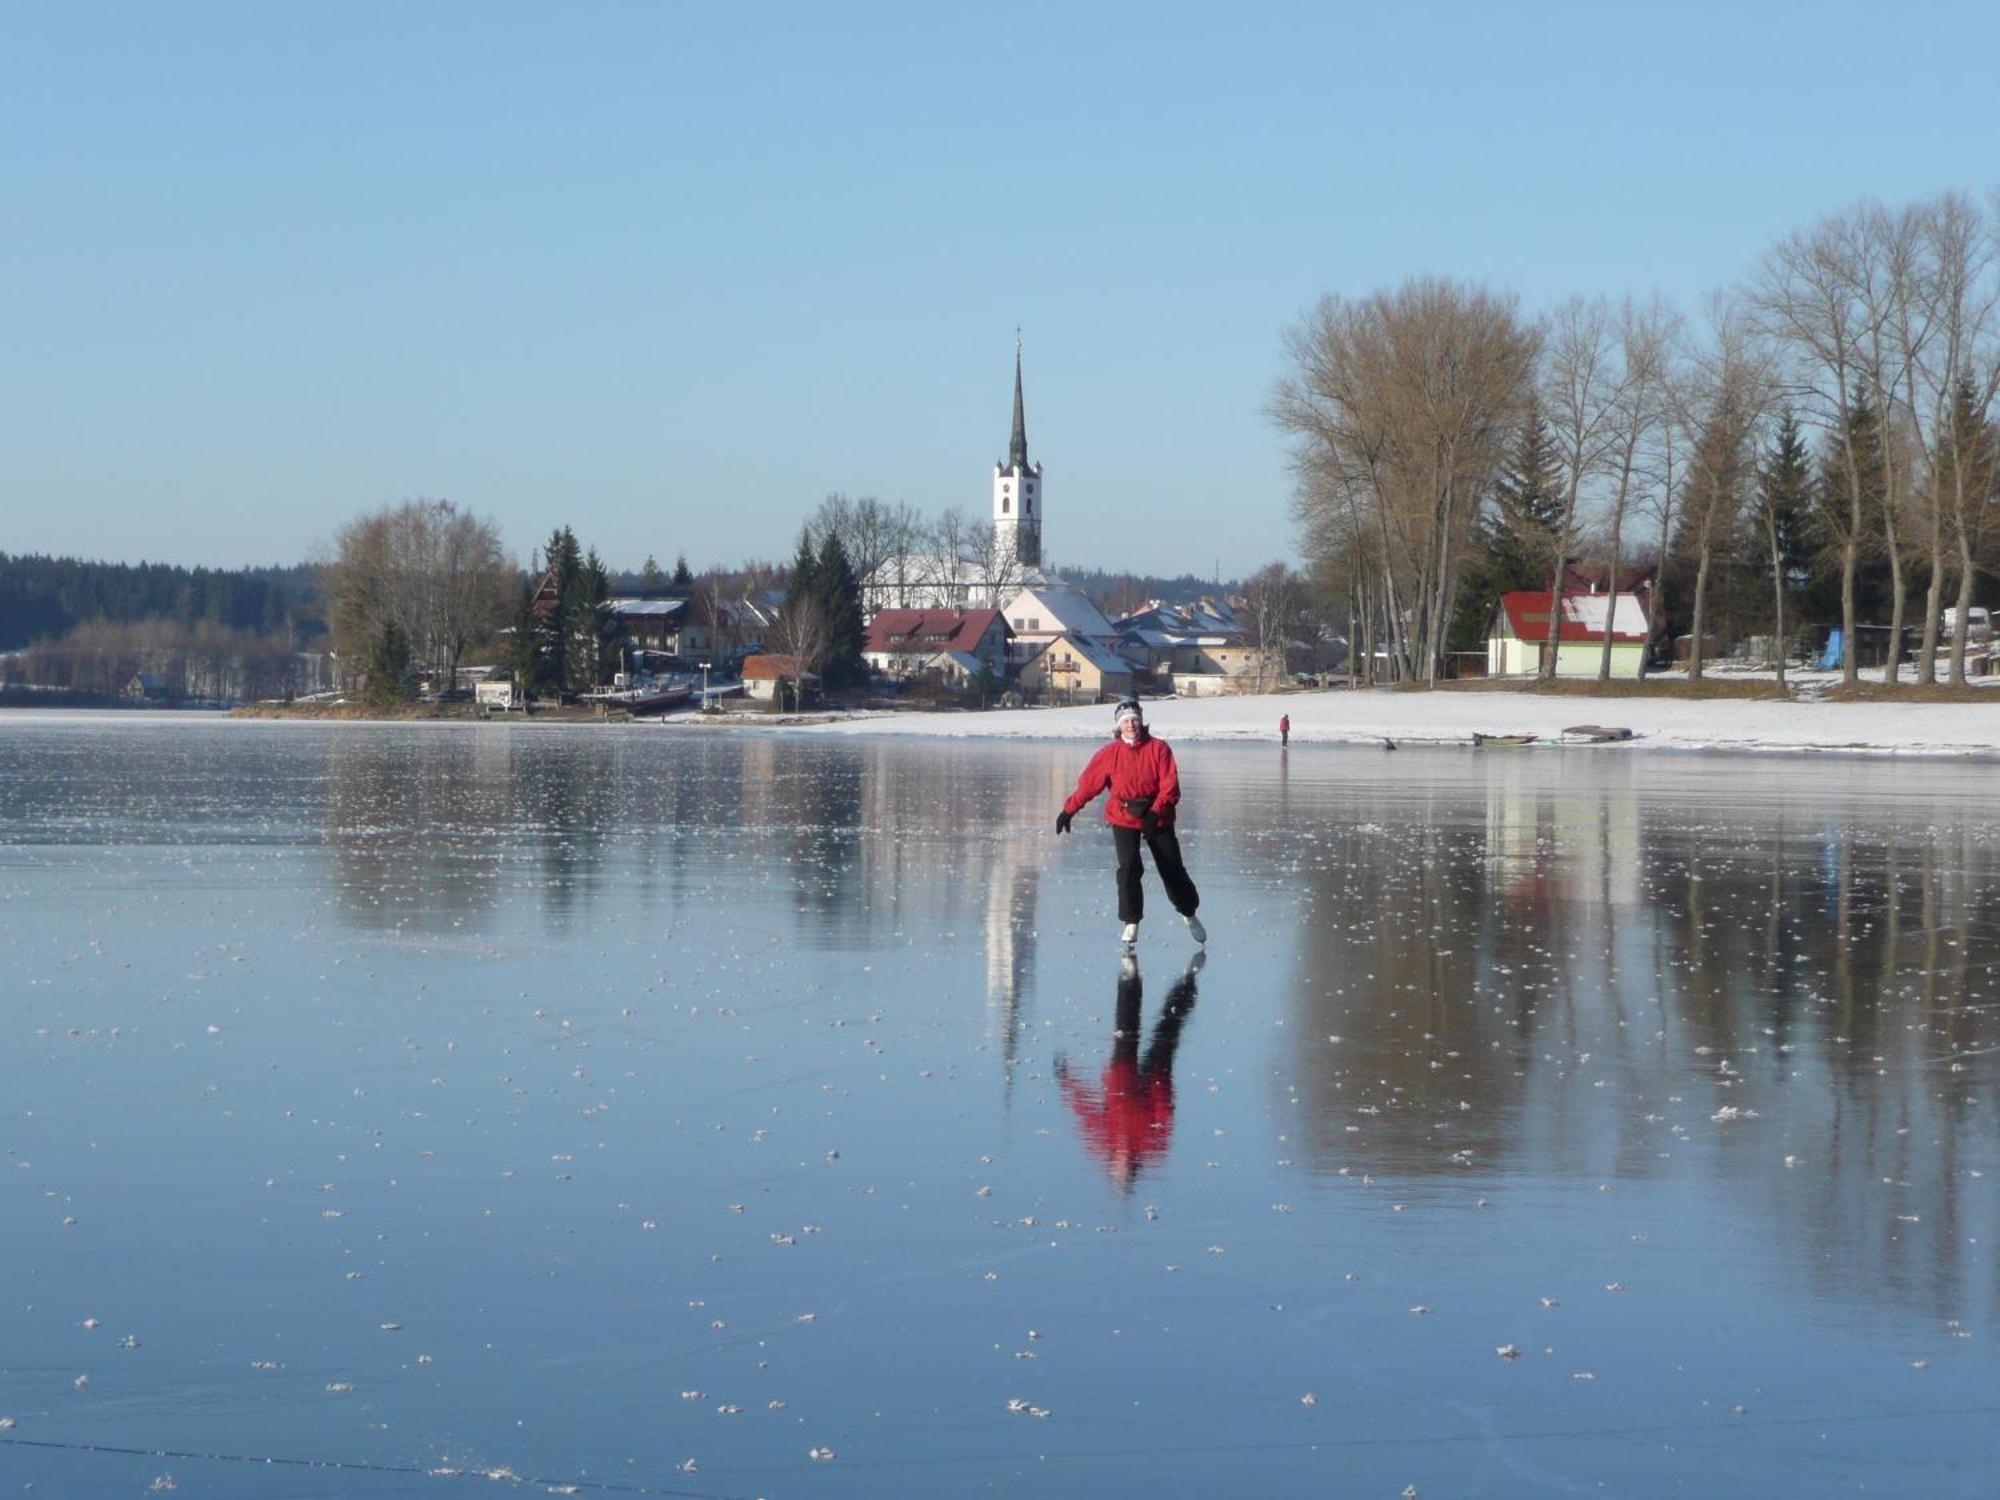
(585, 1104)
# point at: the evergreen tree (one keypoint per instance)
(1513, 537)
(1527, 508)
(683, 575)
(560, 618)
(389, 667)
(592, 639)
(1784, 500)
(800, 582)
(839, 594)
(651, 579)
(527, 648)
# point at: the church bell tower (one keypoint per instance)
(1017, 487)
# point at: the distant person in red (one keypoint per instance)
(1145, 788)
(1127, 1120)
(1284, 729)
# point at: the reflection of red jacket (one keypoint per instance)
(1143, 770)
(1132, 1117)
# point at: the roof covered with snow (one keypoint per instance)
(1525, 614)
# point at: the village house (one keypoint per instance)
(683, 623)
(1520, 634)
(766, 676)
(1076, 669)
(1038, 616)
(1196, 649)
(940, 645)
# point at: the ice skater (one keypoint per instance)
(1145, 788)
(1284, 730)
(1127, 1120)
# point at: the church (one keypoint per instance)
(994, 562)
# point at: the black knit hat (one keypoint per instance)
(1128, 706)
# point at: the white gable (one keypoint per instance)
(1056, 609)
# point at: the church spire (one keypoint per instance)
(1017, 445)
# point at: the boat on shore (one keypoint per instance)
(654, 697)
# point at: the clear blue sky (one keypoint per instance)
(670, 273)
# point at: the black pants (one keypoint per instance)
(1166, 847)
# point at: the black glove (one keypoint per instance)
(1138, 807)
(1149, 821)
(1063, 820)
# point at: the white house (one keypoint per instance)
(1520, 634)
(1050, 610)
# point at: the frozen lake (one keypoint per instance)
(665, 1112)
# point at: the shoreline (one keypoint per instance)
(1730, 724)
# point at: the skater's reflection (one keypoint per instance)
(1128, 1118)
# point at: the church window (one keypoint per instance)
(1005, 503)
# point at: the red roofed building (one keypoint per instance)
(912, 643)
(1520, 634)
(772, 678)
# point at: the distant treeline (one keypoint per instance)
(1121, 593)
(43, 598)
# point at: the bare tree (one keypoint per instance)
(879, 539)
(1646, 337)
(1400, 406)
(1717, 406)
(1579, 393)
(1953, 381)
(805, 630)
(1274, 597)
(1808, 297)
(426, 568)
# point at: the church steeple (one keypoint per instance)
(1017, 483)
(1017, 445)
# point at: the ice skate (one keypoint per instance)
(1128, 936)
(1195, 930)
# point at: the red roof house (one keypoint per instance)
(908, 642)
(1521, 631)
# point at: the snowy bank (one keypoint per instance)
(1452, 718)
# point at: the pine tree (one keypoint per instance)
(800, 582)
(683, 575)
(1513, 537)
(527, 657)
(840, 597)
(1527, 508)
(1779, 556)
(651, 579)
(389, 666)
(592, 633)
(558, 625)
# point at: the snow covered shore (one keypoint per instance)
(1418, 718)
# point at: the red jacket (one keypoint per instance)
(1129, 1119)
(1143, 770)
